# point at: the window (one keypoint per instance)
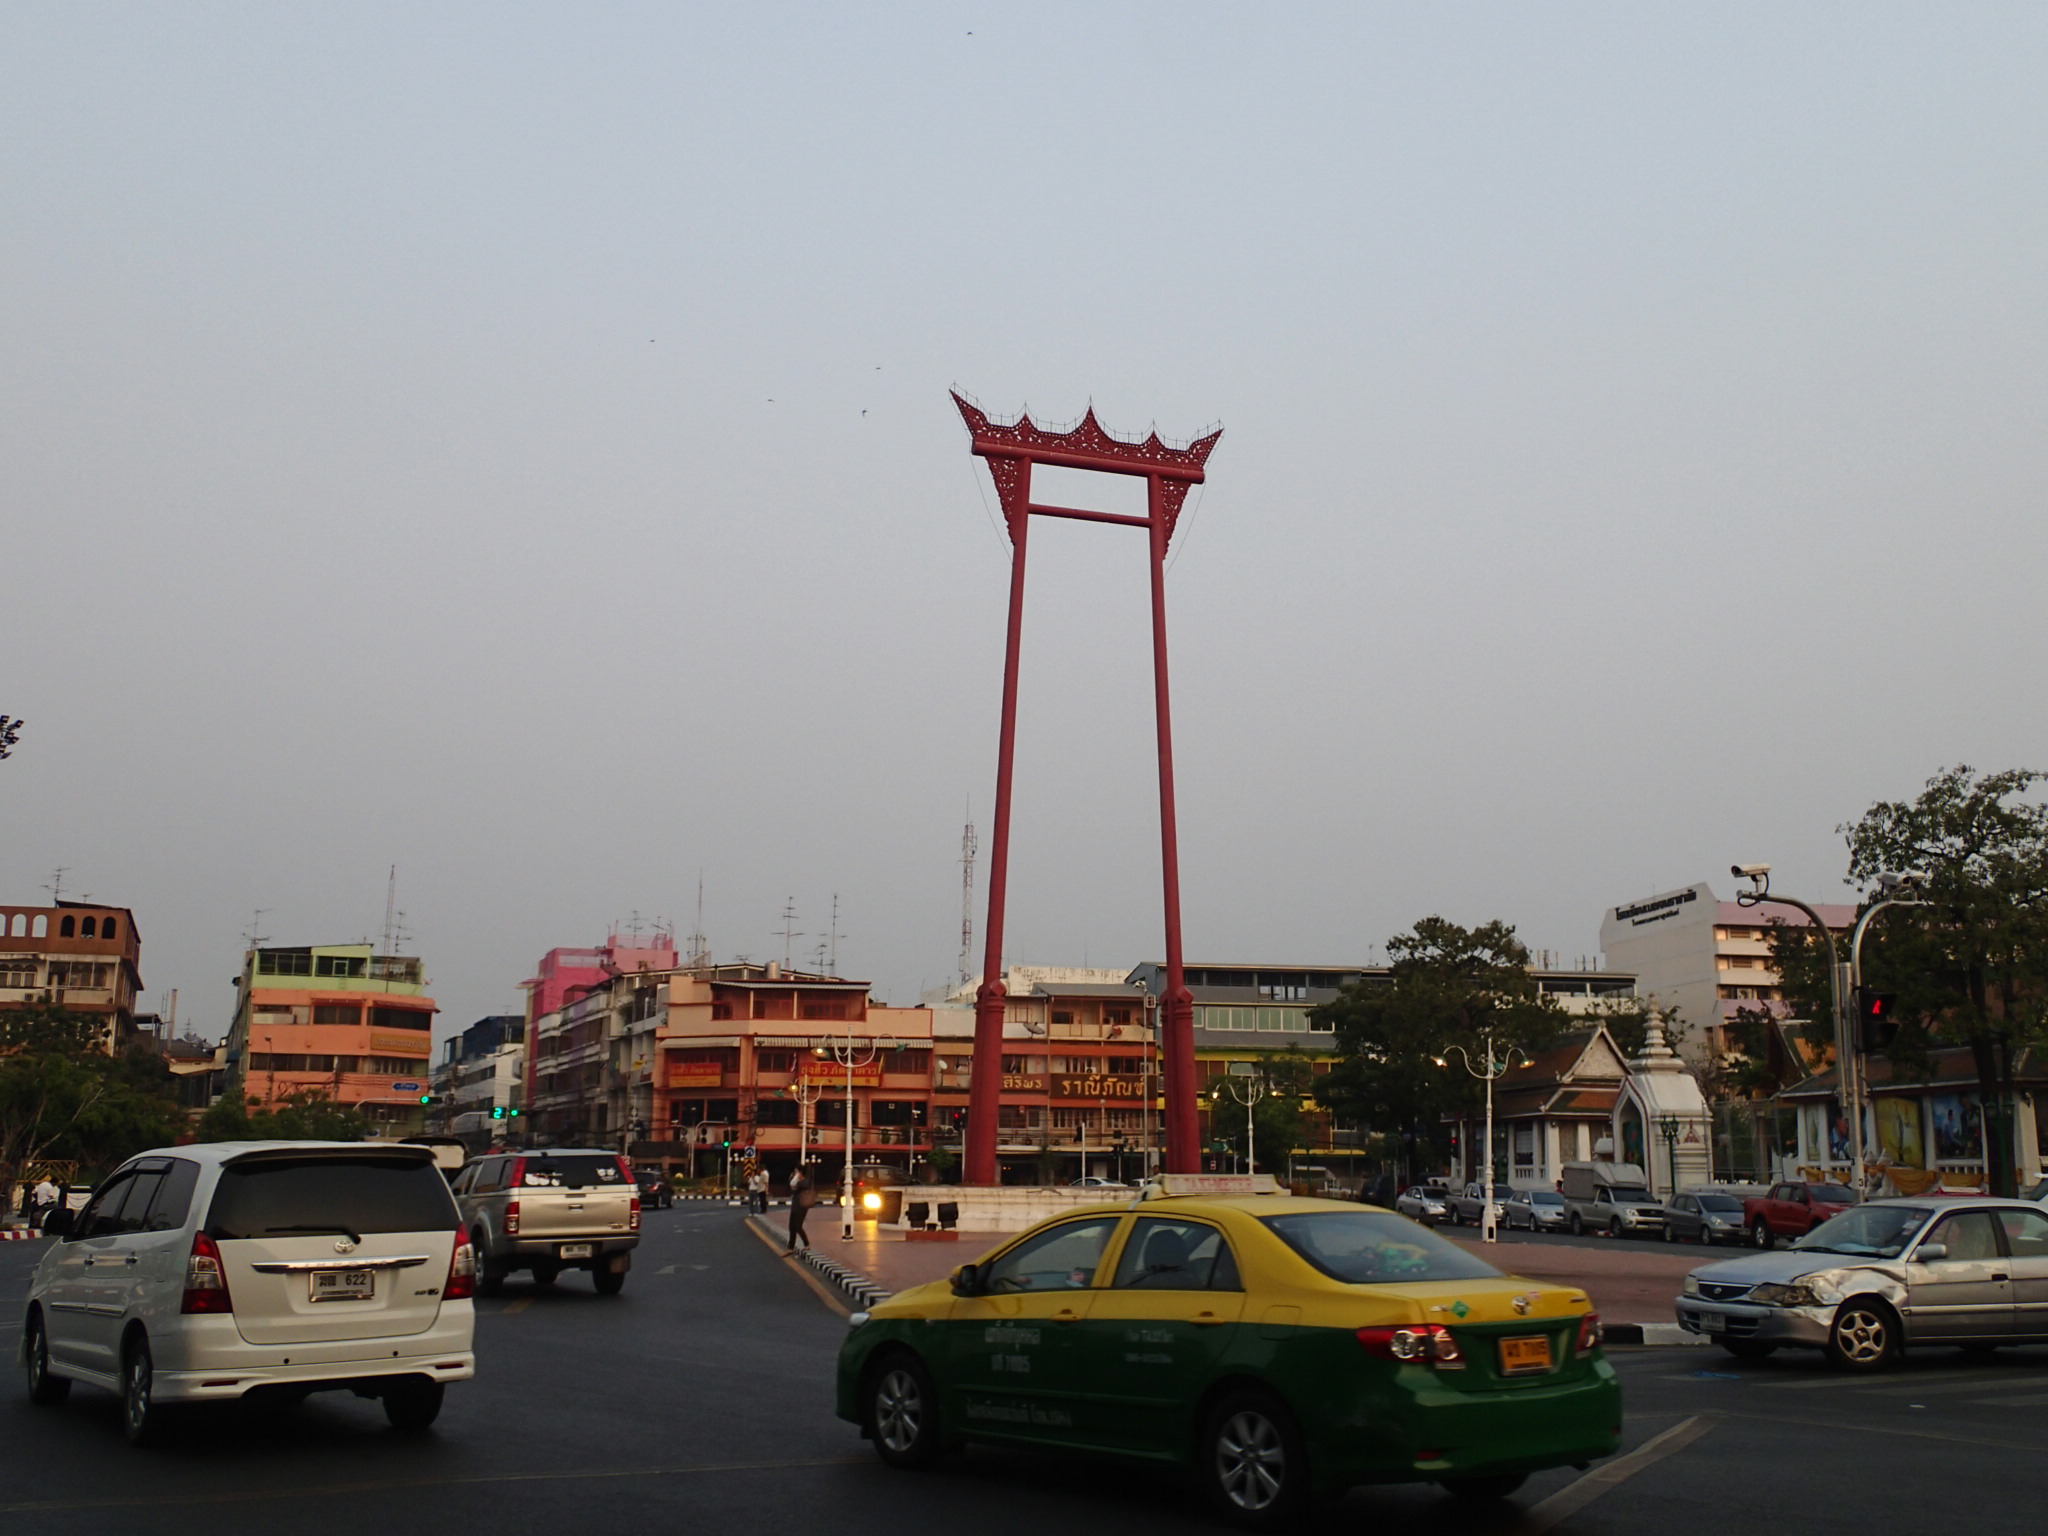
(96, 1219)
(17, 970)
(284, 962)
(721, 1010)
(1373, 1247)
(106, 927)
(897, 1112)
(67, 928)
(357, 1193)
(1116, 1015)
(1163, 1254)
(775, 1061)
(90, 930)
(777, 1112)
(134, 1211)
(340, 965)
(40, 927)
(337, 1013)
(19, 927)
(1063, 1258)
(174, 1197)
(401, 1018)
(1063, 1015)
(1970, 1235)
(585, 1170)
(824, 1010)
(2026, 1233)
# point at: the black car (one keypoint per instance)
(656, 1193)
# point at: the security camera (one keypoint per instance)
(1901, 880)
(1749, 871)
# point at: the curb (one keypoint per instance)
(850, 1283)
(16, 1235)
(1647, 1334)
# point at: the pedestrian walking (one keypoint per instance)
(802, 1196)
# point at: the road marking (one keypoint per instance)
(1851, 1384)
(520, 1305)
(803, 1272)
(2031, 1400)
(1980, 1384)
(1888, 1429)
(332, 1490)
(666, 1269)
(1575, 1496)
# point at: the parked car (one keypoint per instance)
(1619, 1210)
(1705, 1217)
(1882, 1275)
(1244, 1338)
(551, 1210)
(1468, 1206)
(204, 1273)
(1793, 1210)
(1540, 1210)
(1428, 1203)
(1092, 1182)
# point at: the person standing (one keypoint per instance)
(802, 1196)
(757, 1189)
(44, 1198)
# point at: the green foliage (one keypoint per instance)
(61, 1097)
(1448, 988)
(305, 1115)
(1971, 967)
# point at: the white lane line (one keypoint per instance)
(1574, 1497)
(666, 1269)
(1978, 1384)
(2031, 1400)
(1852, 1384)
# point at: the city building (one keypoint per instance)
(1704, 958)
(339, 1018)
(564, 976)
(78, 955)
(481, 1070)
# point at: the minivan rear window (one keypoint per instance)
(351, 1195)
(576, 1170)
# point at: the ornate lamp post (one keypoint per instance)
(1246, 1090)
(1494, 1068)
(851, 1054)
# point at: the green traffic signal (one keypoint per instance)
(497, 1111)
(426, 1098)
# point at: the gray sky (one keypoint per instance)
(512, 442)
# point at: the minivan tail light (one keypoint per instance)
(1589, 1333)
(461, 1284)
(206, 1284)
(511, 1218)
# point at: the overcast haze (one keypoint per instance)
(512, 443)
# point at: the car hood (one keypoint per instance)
(1788, 1265)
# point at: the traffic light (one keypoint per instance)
(1877, 1022)
(497, 1111)
(426, 1098)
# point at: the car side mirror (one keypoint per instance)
(967, 1280)
(1927, 1252)
(59, 1222)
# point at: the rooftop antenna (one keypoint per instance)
(832, 968)
(56, 885)
(391, 913)
(253, 936)
(700, 949)
(968, 848)
(789, 930)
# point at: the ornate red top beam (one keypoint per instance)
(1009, 447)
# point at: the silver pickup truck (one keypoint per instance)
(550, 1210)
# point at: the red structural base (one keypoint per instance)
(1011, 450)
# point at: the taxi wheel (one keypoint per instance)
(901, 1412)
(1864, 1335)
(1254, 1463)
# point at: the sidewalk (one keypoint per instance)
(1633, 1284)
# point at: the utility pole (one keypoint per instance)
(968, 848)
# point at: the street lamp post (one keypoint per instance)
(1842, 981)
(851, 1054)
(1493, 1070)
(1667, 1128)
(1247, 1090)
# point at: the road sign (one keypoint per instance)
(405, 1087)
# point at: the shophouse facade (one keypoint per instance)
(481, 1070)
(77, 955)
(338, 1018)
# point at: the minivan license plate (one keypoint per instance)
(344, 1285)
(575, 1250)
(1525, 1354)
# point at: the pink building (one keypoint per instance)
(564, 975)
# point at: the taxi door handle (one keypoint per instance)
(1205, 1319)
(1066, 1315)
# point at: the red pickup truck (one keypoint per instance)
(1793, 1210)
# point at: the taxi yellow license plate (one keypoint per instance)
(1522, 1355)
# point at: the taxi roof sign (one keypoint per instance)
(1165, 1185)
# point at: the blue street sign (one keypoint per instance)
(405, 1087)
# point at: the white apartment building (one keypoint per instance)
(1704, 957)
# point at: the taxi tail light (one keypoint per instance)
(1589, 1333)
(206, 1285)
(1428, 1343)
(461, 1284)
(511, 1218)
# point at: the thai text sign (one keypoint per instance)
(695, 1074)
(1099, 1085)
(402, 1045)
(826, 1071)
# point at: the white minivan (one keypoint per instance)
(203, 1273)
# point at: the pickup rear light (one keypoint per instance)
(1427, 1343)
(511, 1218)
(1589, 1333)
(461, 1284)
(633, 1215)
(518, 1178)
(206, 1284)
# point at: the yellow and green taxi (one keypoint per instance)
(1282, 1349)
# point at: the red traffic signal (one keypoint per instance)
(1877, 1022)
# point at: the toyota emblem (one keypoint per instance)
(1522, 1306)
(345, 1245)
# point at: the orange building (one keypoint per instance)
(356, 1025)
(80, 956)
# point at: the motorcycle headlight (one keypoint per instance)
(1772, 1294)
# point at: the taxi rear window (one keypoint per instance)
(1375, 1248)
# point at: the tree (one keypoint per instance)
(307, 1114)
(62, 1096)
(1446, 986)
(1971, 968)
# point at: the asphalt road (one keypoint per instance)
(700, 1399)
